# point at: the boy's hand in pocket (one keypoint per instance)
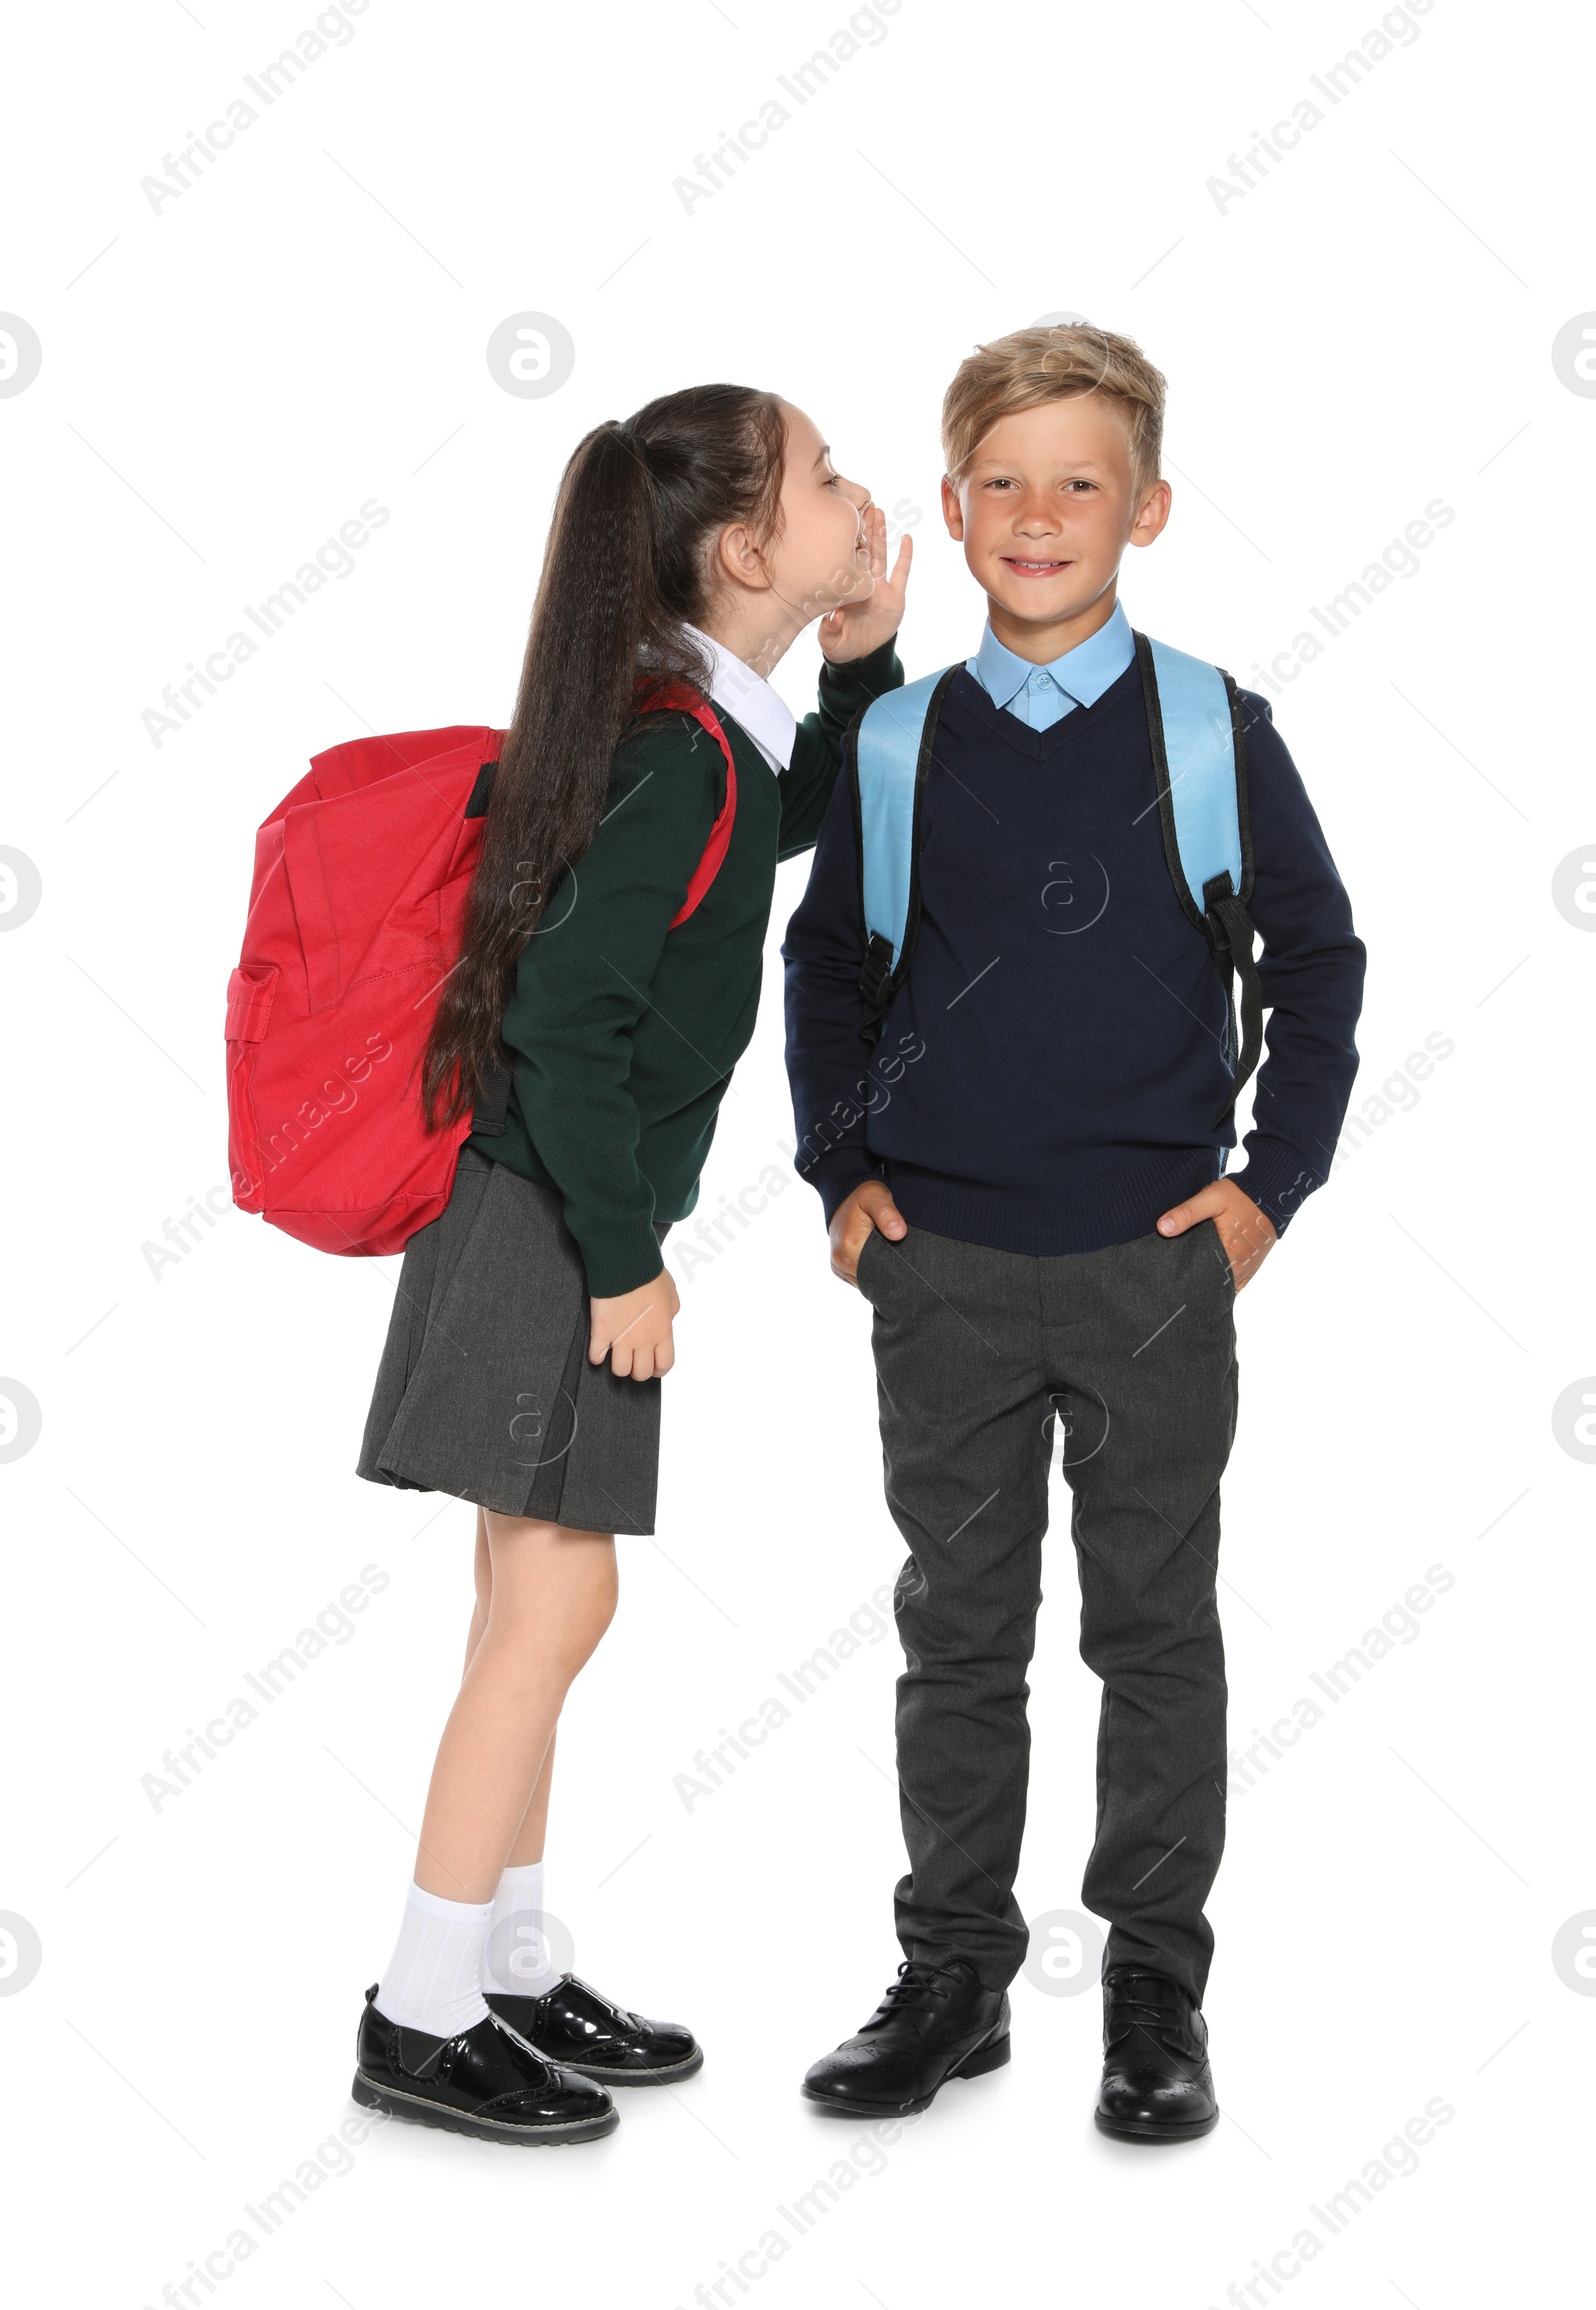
(1247, 1234)
(868, 1207)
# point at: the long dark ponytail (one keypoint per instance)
(627, 563)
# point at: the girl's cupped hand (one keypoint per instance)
(871, 604)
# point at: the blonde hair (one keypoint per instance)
(1030, 367)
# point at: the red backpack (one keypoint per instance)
(355, 921)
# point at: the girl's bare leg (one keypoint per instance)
(535, 1821)
(482, 1581)
(530, 1836)
(545, 1596)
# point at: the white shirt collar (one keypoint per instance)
(751, 701)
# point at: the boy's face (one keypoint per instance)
(1044, 515)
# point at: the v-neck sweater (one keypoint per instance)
(1050, 1070)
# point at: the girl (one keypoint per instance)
(590, 1028)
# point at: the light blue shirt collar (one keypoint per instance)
(1082, 673)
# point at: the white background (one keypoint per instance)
(224, 382)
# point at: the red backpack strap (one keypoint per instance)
(675, 698)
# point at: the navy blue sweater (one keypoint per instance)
(1049, 1073)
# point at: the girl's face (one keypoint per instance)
(819, 558)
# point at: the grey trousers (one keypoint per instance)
(1123, 1363)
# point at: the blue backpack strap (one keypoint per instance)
(892, 749)
(1199, 748)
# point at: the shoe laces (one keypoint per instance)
(1128, 2008)
(917, 1981)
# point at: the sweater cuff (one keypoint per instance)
(836, 1174)
(621, 1259)
(1277, 1179)
(861, 680)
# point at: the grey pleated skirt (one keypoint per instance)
(485, 1389)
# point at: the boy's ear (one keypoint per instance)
(1152, 515)
(952, 512)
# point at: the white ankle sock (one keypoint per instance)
(433, 1981)
(516, 1959)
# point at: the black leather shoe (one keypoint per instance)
(572, 2025)
(936, 2021)
(1157, 2085)
(485, 2081)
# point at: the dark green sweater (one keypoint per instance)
(622, 1032)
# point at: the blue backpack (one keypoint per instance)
(1199, 749)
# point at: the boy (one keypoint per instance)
(1024, 1182)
